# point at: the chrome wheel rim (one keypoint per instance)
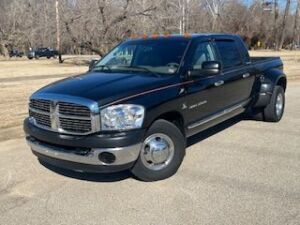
(279, 104)
(157, 151)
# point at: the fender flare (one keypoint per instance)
(268, 81)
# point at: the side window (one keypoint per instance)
(244, 50)
(229, 53)
(204, 52)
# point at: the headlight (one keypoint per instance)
(122, 117)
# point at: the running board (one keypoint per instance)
(235, 110)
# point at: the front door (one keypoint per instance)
(204, 94)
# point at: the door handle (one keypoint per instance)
(219, 83)
(245, 75)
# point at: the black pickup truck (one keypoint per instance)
(16, 53)
(42, 52)
(135, 108)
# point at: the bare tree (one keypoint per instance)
(57, 25)
(94, 26)
(58, 42)
(295, 28)
(107, 29)
(214, 7)
(283, 26)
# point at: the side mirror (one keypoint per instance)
(92, 64)
(208, 68)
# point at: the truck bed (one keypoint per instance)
(265, 63)
(263, 59)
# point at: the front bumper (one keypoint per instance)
(85, 153)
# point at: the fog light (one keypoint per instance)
(107, 157)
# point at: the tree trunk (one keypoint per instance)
(275, 27)
(58, 32)
(214, 8)
(282, 35)
(295, 29)
(86, 45)
(3, 49)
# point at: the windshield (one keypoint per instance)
(161, 56)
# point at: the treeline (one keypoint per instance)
(93, 26)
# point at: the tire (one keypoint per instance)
(273, 112)
(161, 134)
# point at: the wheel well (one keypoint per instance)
(282, 82)
(175, 118)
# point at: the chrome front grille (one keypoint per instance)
(75, 125)
(40, 104)
(41, 119)
(56, 114)
(72, 109)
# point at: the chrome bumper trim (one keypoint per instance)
(123, 155)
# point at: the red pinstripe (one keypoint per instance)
(150, 91)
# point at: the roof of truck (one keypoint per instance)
(180, 36)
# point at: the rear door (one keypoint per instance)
(236, 75)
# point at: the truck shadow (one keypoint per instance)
(93, 177)
(213, 130)
(119, 176)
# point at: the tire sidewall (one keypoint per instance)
(278, 90)
(172, 131)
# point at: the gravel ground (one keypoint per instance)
(240, 172)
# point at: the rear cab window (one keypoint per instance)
(229, 53)
(243, 51)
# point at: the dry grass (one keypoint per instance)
(21, 77)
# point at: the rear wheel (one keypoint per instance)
(275, 109)
(162, 152)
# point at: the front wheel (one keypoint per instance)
(162, 152)
(274, 111)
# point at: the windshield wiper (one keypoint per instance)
(141, 68)
(101, 68)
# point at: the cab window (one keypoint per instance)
(229, 53)
(203, 52)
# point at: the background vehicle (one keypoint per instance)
(135, 108)
(15, 53)
(42, 52)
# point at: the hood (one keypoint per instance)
(107, 87)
